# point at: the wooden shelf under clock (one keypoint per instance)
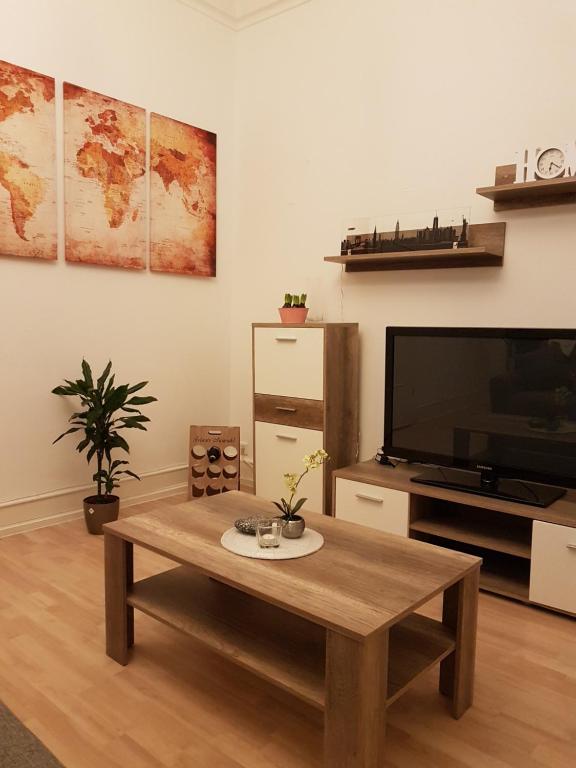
(485, 249)
(530, 194)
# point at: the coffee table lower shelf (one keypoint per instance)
(278, 646)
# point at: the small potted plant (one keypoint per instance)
(294, 309)
(294, 524)
(106, 411)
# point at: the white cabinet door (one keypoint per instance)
(381, 508)
(553, 566)
(280, 449)
(289, 362)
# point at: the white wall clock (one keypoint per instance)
(550, 163)
(546, 163)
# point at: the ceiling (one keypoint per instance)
(238, 14)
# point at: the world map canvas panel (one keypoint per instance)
(105, 184)
(182, 198)
(27, 164)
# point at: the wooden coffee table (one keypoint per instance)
(336, 628)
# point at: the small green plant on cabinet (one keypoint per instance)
(294, 300)
(106, 411)
(292, 480)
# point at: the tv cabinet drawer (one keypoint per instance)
(290, 362)
(383, 508)
(553, 566)
(289, 410)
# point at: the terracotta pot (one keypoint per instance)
(293, 529)
(295, 315)
(99, 510)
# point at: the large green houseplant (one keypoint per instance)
(107, 410)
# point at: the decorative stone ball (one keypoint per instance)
(246, 525)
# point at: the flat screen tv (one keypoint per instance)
(492, 410)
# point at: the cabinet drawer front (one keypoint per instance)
(553, 566)
(293, 411)
(383, 508)
(280, 449)
(289, 362)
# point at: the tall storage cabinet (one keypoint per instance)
(305, 398)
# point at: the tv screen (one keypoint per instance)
(478, 398)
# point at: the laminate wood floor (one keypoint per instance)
(178, 705)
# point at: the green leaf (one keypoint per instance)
(298, 505)
(90, 454)
(102, 378)
(280, 507)
(130, 473)
(117, 463)
(87, 371)
(141, 400)
(83, 387)
(116, 398)
(119, 442)
(110, 385)
(64, 391)
(68, 432)
(83, 444)
(137, 387)
(83, 415)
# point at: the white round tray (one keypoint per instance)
(289, 549)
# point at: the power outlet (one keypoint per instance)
(243, 448)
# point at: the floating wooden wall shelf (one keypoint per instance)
(530, 194)
(485, 249)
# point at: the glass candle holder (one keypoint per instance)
(268, 533)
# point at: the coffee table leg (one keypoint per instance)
(355, 712)
(118, 559)
(460, 613)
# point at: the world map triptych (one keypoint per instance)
(106, 221)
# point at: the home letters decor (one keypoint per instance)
(553, 162)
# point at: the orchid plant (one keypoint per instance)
(292, 480)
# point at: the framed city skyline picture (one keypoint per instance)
(27, 164)
(430, 230)
(182, 198)
(105, 179)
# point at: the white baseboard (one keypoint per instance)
(61, 506)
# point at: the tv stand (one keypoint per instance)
(528, 552)
(488, 484)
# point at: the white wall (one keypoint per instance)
(363, 108)
(172, 330)
(335, 109)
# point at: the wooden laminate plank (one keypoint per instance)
(508, 582)
(119, 615)
(460, 614)
(181, 704)
(487, 534)
(485, 249)
(441, 259)
(561, 512)
(416, 645)
(291, 411)
(355, 713)
(341, 413)
(507, 195)
(302, 325)
(360, 582)
(275, 645)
